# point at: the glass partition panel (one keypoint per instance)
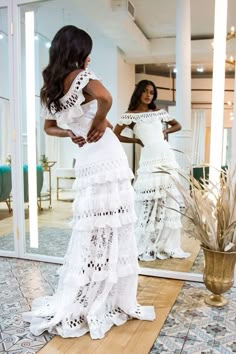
(6, 205)
(47, 215)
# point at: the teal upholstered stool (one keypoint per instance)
(5, 185)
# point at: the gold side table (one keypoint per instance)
(64, 174)
(48, 196)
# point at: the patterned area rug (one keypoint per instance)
(198, 265)
(20, 282)
(52, 242)
(194, 327)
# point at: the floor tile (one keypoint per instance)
(206, 329)
(168, 345)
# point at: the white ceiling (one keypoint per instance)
(150, 38)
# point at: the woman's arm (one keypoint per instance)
(97, 91)
(123, 139)
(175, 126)
(51, 128)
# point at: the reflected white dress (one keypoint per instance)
(98, 281)
(158, 229)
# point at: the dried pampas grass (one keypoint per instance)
(210, 209)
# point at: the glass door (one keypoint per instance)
(7, 207)
(47, 177)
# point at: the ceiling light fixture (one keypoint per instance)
(200, 69)
(3, 34)
(231, 46)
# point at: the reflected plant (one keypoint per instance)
(210, 209)
(44, 162)
(43, 159)
(8, 160)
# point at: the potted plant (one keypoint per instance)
(44, 162)
(8, 160)
(210, 216)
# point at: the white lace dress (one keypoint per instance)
(98, 282)
(158, 229)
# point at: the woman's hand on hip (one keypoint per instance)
(97, 130)
(139, 141)
(165, 134)
(78, 140)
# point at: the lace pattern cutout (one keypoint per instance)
(158, 232)
(152, 191)
(162, 161)
(101, 253)
(148, 117)
(70, 103)
(100, 302)
(99, 167)
(71, 97)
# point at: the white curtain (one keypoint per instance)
(4, 130)
(198, 133)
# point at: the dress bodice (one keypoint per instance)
(82, 125)
(149, 132)
(76, 115)
(148, 125)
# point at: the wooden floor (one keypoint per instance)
(134, 337)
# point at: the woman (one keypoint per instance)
(98, 281)
(158, 229)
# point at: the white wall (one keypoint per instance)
(125, 87)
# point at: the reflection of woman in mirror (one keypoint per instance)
(98, 281)
(158, 229)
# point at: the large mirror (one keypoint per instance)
(133, 40)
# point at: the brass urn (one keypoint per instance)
(218, 275)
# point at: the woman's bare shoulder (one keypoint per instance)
(70, 78)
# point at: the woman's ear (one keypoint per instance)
(87, 61)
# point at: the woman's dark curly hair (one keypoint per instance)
(139, 89)
(69, 49)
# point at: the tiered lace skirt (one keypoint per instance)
(98, 280)
(158, 228)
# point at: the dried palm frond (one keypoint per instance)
(210, 209)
